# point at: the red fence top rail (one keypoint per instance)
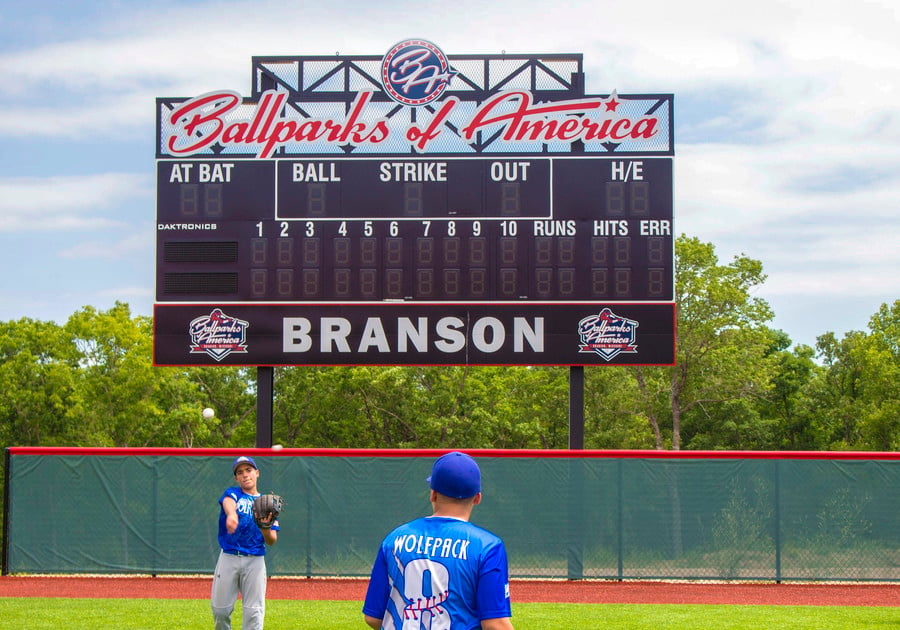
(434, 452)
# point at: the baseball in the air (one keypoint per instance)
(208, 413)
(277, 447)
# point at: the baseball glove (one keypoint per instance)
(266, 509)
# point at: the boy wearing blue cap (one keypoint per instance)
(242, 565)
(441, 571)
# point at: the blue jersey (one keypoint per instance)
(246, 539)
(438, 573)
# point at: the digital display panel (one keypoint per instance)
(415, 229)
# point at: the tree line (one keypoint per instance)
(737, 384)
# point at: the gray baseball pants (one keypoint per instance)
(244, 574)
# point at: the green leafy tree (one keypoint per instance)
(722, 350)
(322, 406)
(835, 397)
(450, 406)
(515, 407)
(855, 402)
(116, 375)
(39, 377)
(615, 414)
(786, 400)
(132, 403)
(880, 422)
(231, 392)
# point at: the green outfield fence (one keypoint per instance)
(685, 515)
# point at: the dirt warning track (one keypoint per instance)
(561, 591)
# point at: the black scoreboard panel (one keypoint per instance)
(479, 229)
(408, 189)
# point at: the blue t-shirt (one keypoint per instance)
(437, 572)
(246, 539)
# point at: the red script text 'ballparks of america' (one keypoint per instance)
(201, 122)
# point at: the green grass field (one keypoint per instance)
(35, 613)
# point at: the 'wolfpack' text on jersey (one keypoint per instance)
(439, 573)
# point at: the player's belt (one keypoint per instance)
(239, 553)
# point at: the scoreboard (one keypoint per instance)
(415, 209)
(456, 229)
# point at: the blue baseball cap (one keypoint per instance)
(455, 475)
(243, 459)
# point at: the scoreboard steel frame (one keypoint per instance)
(489, 252)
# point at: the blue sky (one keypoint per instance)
(787, 127)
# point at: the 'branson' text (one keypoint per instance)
(447, 334)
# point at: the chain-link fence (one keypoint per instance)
(572, 514)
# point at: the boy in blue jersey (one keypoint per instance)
(441, 572)
(242, 565)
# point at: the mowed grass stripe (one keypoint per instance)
(37, 613)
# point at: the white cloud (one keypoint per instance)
(127, 248)
(863, 281)
(817, 68)
(67, 202)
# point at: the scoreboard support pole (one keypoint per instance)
(576, 407)
(7, 476)
(265, 396)
(576, 471)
